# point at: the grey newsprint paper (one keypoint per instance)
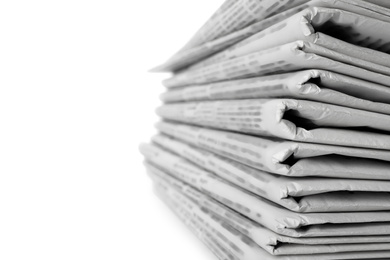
(267, 213)
(216, 36)
(295, 159)
(275, 134)
(237, 237)
(291, 119)
(297, 194)
(316, 85)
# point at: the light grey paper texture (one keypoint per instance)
(195, 53)
(291, 119)
(264, 212)
(315, 85)
(189, 200)
(296, 194)
(234, 15)
(198, 229)
(236, 243)
(288, 158)
(298, 55)
(336, 30)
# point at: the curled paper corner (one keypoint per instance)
(279, 157)
(290, 223)
(308, 88)
(306, 27)
(285, 128)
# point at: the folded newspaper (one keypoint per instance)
(224, 245)
(298, 55)
(234, 15)
(273, 243)
(288, 158)
(291, 119)
(316, 85)
(209, 45)
(283, 221)
(333, 29)
(297, 194)
(268, 213)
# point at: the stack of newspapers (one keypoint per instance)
(275, 134)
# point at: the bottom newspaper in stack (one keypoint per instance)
(244, 213)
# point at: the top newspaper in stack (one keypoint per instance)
(319, 38)
(237, 20)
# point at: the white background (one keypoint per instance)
(75, 102)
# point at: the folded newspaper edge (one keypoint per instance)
(191, 55)
(225, 218)
(243, 247)
(258, 233)
(316, 85)
(344, 32)
(275, 156)
(299, 55)
(291, 119)
(236, 15)
(221, 18)
(263, 211)
(297, 194)
(230, 236)
(210, 240)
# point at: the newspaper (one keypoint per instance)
(187, 57)
(233, 229)
(293, 56)
(288, 158)
(299, 120)
(210, 240)
(238, 245)
(334, 29)
(216, 241)
(271, 242)
(264, 212)
(191, 55)
(384, 3)
(296, 194)
(317, 85)
(235, 15)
